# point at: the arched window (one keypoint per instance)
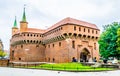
(74, 28)
(49, 59)
(84, 29)
(53, 45)
(28, 41)
(21, 46)
(96, 32)
(92, 31)
(28, 35)
(12, 54)
(34, 41)
(79, 28)
(59, 43)
(88, 30)
(31, 41)
(19, 58)
(73, 44)
(24, 34)
(37, 41)
(61, 28)
(53, 59)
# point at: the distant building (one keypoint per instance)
(1, 45)
(60, 43)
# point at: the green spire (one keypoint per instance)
(15, 22)
(24, 16)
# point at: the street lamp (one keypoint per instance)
(68, 45)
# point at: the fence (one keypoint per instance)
(64, 68)
(36, 65)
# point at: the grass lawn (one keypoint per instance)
(69, 67)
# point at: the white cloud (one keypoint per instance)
(74, 8)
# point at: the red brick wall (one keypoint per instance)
(4, 62)
(64, 53)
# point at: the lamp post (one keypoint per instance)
(68, 46)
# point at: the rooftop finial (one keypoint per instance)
(15, 22)
(24, 16)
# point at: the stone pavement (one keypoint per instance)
(4, 71)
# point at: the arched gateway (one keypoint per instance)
(84, 55)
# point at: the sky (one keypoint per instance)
(44, 13)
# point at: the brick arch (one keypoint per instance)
(81, 50)
(85, 47)
(65, 34)
(84, 36)
(79, 35)
(75, 34)
(70, 34)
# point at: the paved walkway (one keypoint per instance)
(4, 71)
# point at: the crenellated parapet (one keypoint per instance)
(26, 38)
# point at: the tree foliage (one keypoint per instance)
(118, 41)
(2, 54)
(108, 40)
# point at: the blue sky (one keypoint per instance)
(44, 13)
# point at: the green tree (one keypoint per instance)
(118, 41)
(108, 40)
(2, 54)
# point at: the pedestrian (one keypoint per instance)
(105, 61)
(94, 59)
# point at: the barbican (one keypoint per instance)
(67, 39)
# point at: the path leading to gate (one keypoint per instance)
(4, 71)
